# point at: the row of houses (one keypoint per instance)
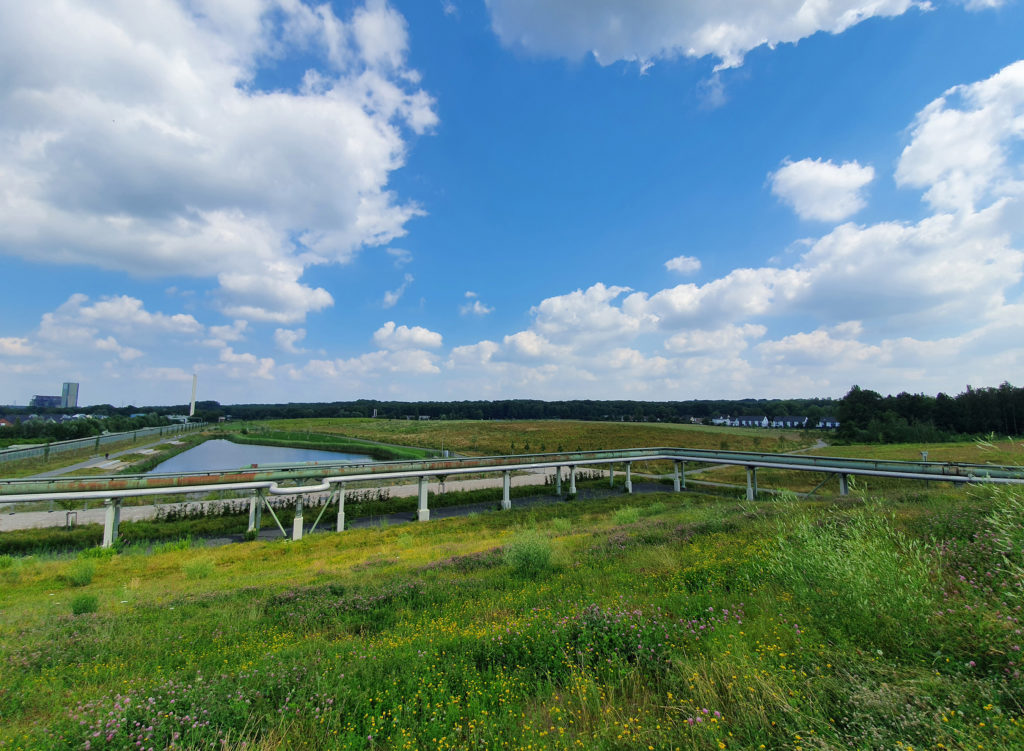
(797, 422)
(9, 420)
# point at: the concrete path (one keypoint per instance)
(108, 461)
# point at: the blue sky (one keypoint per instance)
(472, 199)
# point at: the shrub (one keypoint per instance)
(6, 561)
(627, 515)
(561, 525)
(868, 581)
(84, 603)
(80, 573)
(200, 568)
(529, 554)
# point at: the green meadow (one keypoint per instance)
(657, 621)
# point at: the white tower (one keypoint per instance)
(192, 408)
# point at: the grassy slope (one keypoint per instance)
(495, 437)
(678, 622)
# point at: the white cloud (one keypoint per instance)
(391, 297)
(589, 315)
(394, 337)
(110, 344)
(121, 314)
(287, 339)
(475, 306)
(15, 345)
(246, 365)
(822, 190)
(402, 257)
(614, 30)
(134, 139)
(219, 336)
(683, 264)
(729, 338)
(962, 144)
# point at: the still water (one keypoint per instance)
(221, 454)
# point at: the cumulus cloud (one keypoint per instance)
(395, 337)
(822, 190)
(683, 264)
(138, 139)
(15, 345)
(613, 30)
(288, 339)
(963, 144)
(474, 306)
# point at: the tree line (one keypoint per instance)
(866, 416)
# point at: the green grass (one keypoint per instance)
(676, 621)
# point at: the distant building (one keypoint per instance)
(828, 423)
(69, 395)
(45, 401)
(789, 422)
(751, 421)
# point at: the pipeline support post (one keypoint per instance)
(297, 523)
(572, 479)
(677, 483)
(424, 512)
(256, 512)
(629, 477)
(506, 481)
(611, 475)
(844, 484)
(558, 481)
(341, 507)
(751, 483)
(682, 475)
(112, 519)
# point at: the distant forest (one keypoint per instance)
(868, 417)
(864, 415)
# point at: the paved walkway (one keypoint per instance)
(108, 461)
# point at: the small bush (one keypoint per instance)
(627, 515)
(98, 552)
(80, 573)
(84, 603)
(250, 535)
(528, 555)
(6, 561)
(561, 525)
(173, 545)
(200, 568)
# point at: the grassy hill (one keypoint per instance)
(661, 621)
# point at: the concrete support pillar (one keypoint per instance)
(256, 511)
(677, 480)
(341, 507)
(572, 479)
(558, 481)
(751, 483)
(297, 524)
(629, 477)
(111, 521)
(423, 510)
(611, 475)
(682, 475)
(844, 484)
(506, 482)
